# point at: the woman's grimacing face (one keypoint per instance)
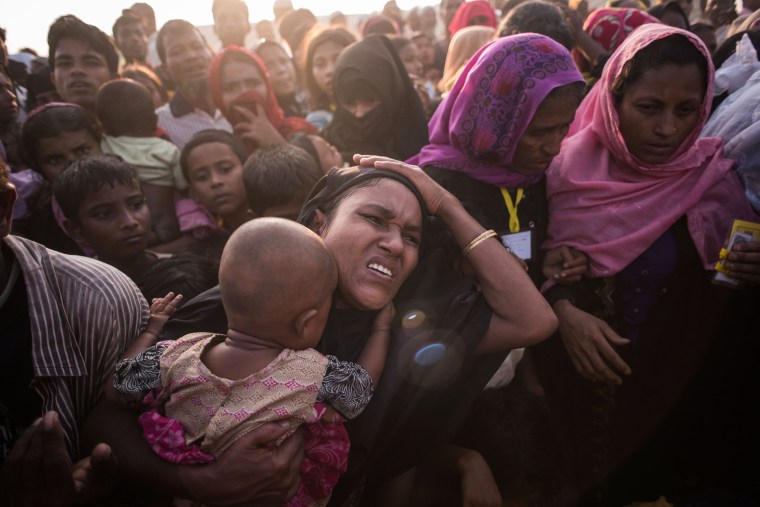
(374, 235)
(542, 138)
(660, 110)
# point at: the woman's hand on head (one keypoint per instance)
(256, 127)
(436, 197)
(565, 265)
(743, 262)
(590, 342)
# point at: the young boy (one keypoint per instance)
(212, 162)
(126, 111)
(278, 179)
(104, 206)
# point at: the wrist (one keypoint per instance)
(562, 306)
(192, 479)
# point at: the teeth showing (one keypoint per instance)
(381, 269)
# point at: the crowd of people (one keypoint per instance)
(477, 255)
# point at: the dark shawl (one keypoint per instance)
(397, 127)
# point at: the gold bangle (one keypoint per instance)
(477, 241)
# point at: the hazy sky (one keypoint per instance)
(27, 21)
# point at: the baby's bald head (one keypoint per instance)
(271, 271)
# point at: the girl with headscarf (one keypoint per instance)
(651, 204)
(241, 89)
(378, 109)
(476, 12)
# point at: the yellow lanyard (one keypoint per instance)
(514, 222)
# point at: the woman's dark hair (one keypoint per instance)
(125, 108)
(51, 120)
(211, 136)
(342, 37)
(278, 175)
(88, 175)
(537, 17)
(188, 274)
(674, 50)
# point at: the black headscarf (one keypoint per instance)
(397, 127)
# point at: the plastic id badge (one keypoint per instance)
(521, 244)
(741, 232)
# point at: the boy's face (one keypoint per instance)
(115, 221)
(78, 72)
(215, 175)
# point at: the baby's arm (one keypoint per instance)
(348, 387)
(160, 311)
(372, 357)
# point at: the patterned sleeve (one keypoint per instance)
(134, 378)
(347, 387)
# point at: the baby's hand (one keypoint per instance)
(385, 317)
(160, 311)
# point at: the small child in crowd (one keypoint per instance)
(276, 280)
(278, 179)
(52, 137)
(125, 109)
(212, 162)
(325, 154)
(104, 205)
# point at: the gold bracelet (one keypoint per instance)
(475, 242)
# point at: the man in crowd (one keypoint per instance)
(185, 57)
(82, 58)
(131, 39)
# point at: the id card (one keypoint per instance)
(521, 244)
(741, 232)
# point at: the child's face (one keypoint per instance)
(115, 221)
(54, 154)
(215, 175)
(329, 156)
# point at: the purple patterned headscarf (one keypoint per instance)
(476, 128)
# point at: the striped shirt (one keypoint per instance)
(83, 315)
(180, 120)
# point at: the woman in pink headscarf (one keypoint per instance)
(494, 135)
(651, 204)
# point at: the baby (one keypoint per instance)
(276, 280)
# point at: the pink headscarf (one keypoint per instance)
(468, 11)
(476, 128)
(606, 203)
